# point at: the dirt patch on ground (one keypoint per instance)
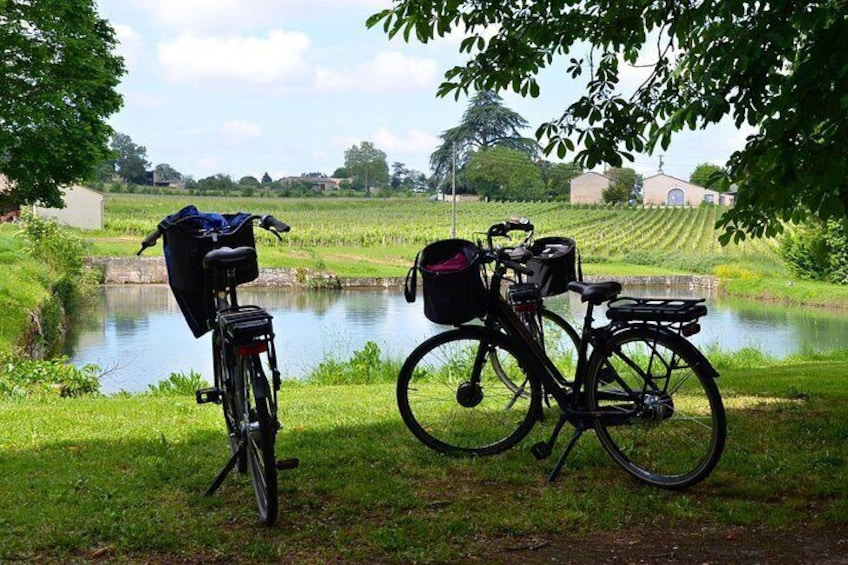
(703, 545)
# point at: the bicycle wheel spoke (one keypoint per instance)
(671, 429)
(452, 398)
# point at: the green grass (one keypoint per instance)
(123, 478)
(23, 287)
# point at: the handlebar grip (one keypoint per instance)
(520, 224)
(271, 223)
(149, 241)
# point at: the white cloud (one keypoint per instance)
(144, 100)
(202, 15)
(389, 70)
(275, 59)
(458, 34)
(413, 141)
(129, 45)
(207, 166)
(235, 131)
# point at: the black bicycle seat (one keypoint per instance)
(595, 292)
(228, 256)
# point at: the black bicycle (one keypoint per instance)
(208, 256)
(648, 393)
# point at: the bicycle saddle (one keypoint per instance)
(228, 256)
(595, 292)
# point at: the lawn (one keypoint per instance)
(122, 478)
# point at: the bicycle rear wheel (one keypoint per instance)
(452, 400)
(662, 417)
(260, 431)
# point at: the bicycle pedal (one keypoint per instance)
(541, 450)
(206, 395)
(291, 463)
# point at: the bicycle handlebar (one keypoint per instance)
(266, 222)
(273, 225)
(150, 240)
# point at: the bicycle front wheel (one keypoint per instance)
(452, 399)
(260, 435)
(660, 414)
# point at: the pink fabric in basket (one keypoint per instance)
(455, 263)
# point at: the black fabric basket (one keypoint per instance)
(451, 297)
(553, 264)
(186, 241)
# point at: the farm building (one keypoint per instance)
(664, 190)
(319, 184)
(83, 209)
(588, 188)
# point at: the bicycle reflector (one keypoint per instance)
(252, 349)
(690, 329)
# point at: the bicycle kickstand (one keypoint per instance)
(226, 470)
(542, 450)
(578, 431)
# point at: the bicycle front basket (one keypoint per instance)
(453, 288)
(553, 264)
(188, 236)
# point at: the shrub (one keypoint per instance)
(816, 251)
(23, 377)
(365, 367)
(178, 384)
(47, 242)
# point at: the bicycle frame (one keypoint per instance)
(545, 369)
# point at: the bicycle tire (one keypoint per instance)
(665, 422)
(449, 410)
(231, 402)
(260, 431)
(560, 341)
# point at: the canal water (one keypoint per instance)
(137, 334)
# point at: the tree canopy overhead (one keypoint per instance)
(780, 66)
(58, 75)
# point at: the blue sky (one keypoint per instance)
(242, 87)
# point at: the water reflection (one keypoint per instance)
(138, 332)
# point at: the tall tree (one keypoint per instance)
(486, 123)
(777, 65)
(130, 159)
(557, 178)
(367, 165)
(625, 184)
(501, 173)
(249, 180)
(399, 173)
(58, 79)
(709, 176)
(219, 182)
(166, 172)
